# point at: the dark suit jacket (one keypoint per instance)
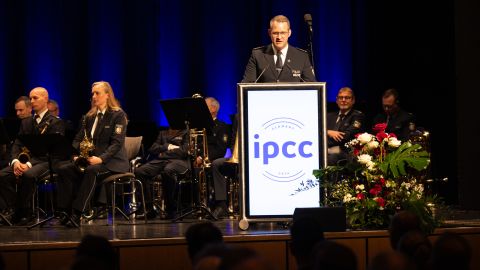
(351, 124)
(218, 140)
(400, 123)
(29, 126)
(109, 139)
(297, 66)
(159, 149)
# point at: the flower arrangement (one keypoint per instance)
(381, 176)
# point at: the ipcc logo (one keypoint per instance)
(281, 149)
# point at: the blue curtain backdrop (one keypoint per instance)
(156, 49)
(152, 50)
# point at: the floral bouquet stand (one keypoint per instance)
(381, 177)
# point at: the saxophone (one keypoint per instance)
(25, 155)
(86, 146)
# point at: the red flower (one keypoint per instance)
(380, 127)
(360, 196)
(381, 136)
(380, 201)
(382, 181)
(375, 190)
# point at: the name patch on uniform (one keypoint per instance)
(118, 129)
(357, 124)
(296, 73)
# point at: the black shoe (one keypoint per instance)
(24, 221)
(101, 212)
(151, 214)
(63, 217)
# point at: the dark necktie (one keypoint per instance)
(36, 117)
(339, 120)
(279, 63)
(99, 120)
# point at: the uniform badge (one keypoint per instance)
(118, 129)
(225, 138)
(357, 124)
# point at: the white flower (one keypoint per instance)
(360, 187)
(370, 165)
(364, 158)
(394, 142)
(364, 138)
(372, 145)
(348, 197)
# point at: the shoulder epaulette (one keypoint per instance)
(258, 48)
(302, 50)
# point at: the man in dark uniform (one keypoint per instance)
(25, 172)
(169, 158)
(217, 140)
(279, 62)
(399, 122)
(342, 125)
(105, 124)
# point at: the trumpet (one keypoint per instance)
(86, 146)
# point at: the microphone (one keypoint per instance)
(293, 74)
(308, 19)
(261, 73)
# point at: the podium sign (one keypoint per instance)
(282, 140)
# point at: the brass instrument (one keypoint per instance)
(194, 149)
(234, 158)
(86, 146)
(24, 155)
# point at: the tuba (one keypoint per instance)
(86, 146)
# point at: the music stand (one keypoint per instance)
(189, 113)
(52, 146)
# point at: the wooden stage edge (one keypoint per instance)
(137, 252)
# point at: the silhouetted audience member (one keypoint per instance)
(416, 246)
(210, 257)
(329, 255)
(305, 232)
(390, 260)
(199, 235)
(240, 258)
(95, 252)
(451, 251)
(2, 263)
(402, 222)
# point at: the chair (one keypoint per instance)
(44, 183)
(133, 146)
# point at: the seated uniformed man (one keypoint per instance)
(170, 157)
(24, 172)
(342, 125)
(399, 122)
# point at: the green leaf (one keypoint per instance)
(406, 156)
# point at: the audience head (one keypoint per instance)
(416, 246)
(213, 106)
(95, 252)
(23, 107)
(209, 257)
(52, 106)
(390, 260)
(39, 99)
(279, 31)
(329, 255)
(2, 263)
(390, 101)
(240, 258)
(345, 99)
(451, 251)
(199, 235)
(402, 222)
(305, 232)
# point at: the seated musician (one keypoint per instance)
(169, 157)
(104, 126)
(217, 140)
(26, 166)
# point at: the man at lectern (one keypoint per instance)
(278, 61)
(26, 166)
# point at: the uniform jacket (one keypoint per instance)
(400, 123)
(351, 124)
(29, 126)
(109, 139)
(217, 140)
(159, 149)
(297, 66)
